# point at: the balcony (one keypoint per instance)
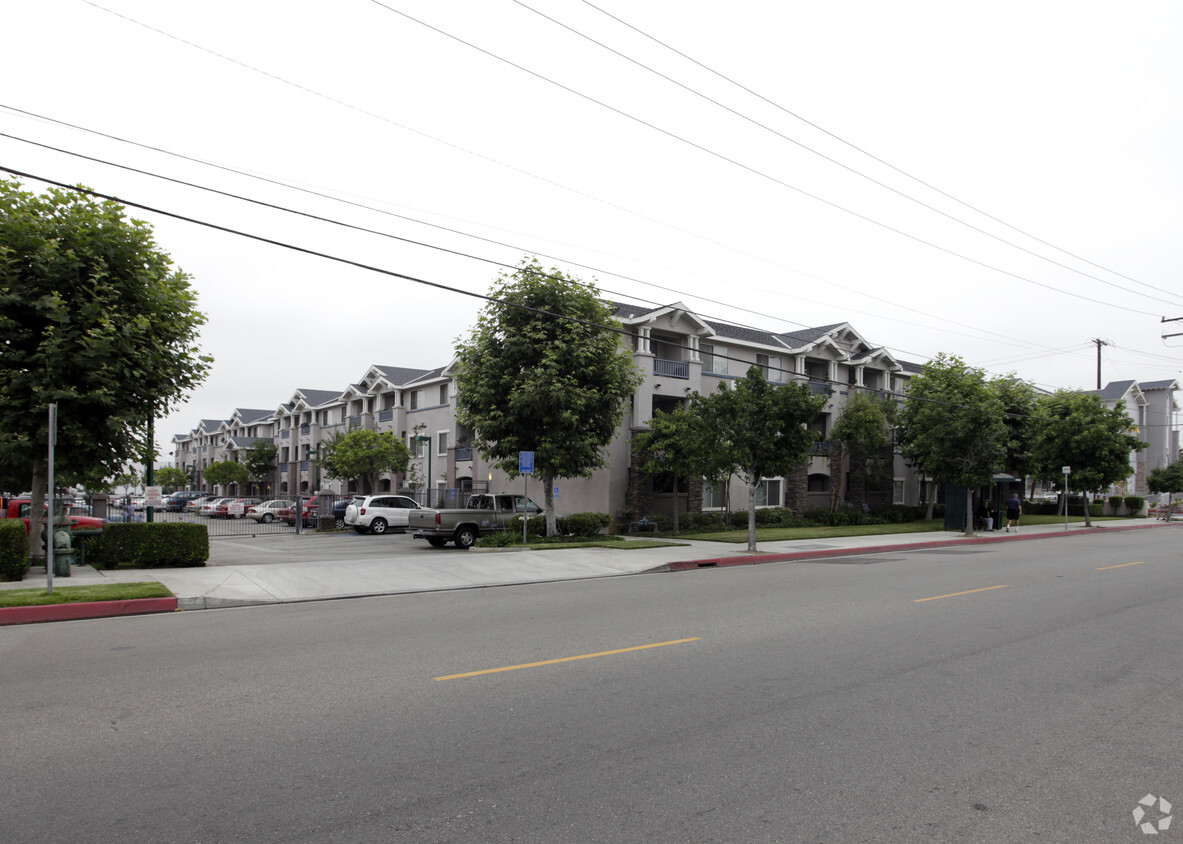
(463, 454)
(820, 448)
(385, 415)
(819, 389)
(671, 368)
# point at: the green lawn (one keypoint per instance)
(774, 534)
(81, 594)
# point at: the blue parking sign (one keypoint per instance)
(526, 462)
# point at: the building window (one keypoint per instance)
(897, 492)
(443, 444)
(712, 362)
(714, 497)
(414, 399)
(762, 362)
(443, 393)
(768, 493)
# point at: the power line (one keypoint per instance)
(751, 169)
(870, 155)
(589, 196)
(403, 276)
(835, 161)
(429, 224)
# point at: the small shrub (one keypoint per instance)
(1115, 502)
(703, 522)
(500, 538)
(14, 550)
(587, 524)
(1133, 504)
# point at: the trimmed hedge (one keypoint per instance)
(14, 550)
(587, 524)
(149, 545)
(1133, 503)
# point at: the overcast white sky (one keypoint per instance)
(1061, 119)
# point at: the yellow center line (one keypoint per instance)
(565, 659)
(955, 594)
(1122, 565)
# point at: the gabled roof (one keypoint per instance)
(246, 442)
(429, 375)
(1116, 390)
(246, 416)
(315, 398)
(1169, 384)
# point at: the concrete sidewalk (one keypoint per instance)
(321, 567)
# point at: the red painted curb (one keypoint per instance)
(789, 556)
(86, 609)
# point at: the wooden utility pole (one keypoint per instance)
(1099, 343)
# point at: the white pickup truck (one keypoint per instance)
(484, 514)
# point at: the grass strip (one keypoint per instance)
(778, 534)
(82, 594)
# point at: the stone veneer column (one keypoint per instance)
(797, 488)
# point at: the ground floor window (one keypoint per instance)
(714, 497)
(897, 491)
(768, 493)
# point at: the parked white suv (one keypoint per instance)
(379, 513)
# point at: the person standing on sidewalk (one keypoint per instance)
(1014, 510)
(986, 514)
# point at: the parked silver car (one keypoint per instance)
(379, 513)
(267, 511)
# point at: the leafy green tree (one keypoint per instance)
(1080, 432)
(259, 460)
(225, 472)
(95, 318)
(544, 370)
(675, 443)
(760, 431)
(859, 433)
(363, 456)
(1168, 479)
(1020, 404)
(170, 479)
(952, 427)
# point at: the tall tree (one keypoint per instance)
(1093, 440)
(1168, 479)
(1020, 406)
(675, 444)
(760, 431)
(859, 432)
(259, 460)
(95, 318)
(363, 456)
(170, 479)
(952, 427)
(544, 370)
(225, 473)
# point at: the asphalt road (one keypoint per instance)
(1014, 692)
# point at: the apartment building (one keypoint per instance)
(1155, 412)
(678, 353)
